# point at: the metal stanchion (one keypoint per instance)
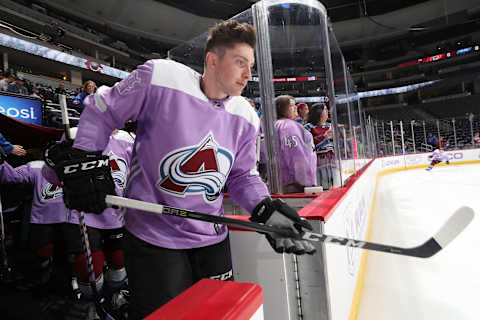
(413, 135)
(393, 137)
(401, 134)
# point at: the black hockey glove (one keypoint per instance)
(278, 214)
(86, 176)
(448, 161)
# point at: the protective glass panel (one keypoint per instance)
(306, 63)
(306, 152)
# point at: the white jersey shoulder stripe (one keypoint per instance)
(239, 106)
(36, 164)
(124, 136)
(174, 75)
(99, 102)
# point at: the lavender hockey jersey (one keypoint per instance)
(119, 150)
(298, 162)
(439, 156)
(187, 149)
(47, 203)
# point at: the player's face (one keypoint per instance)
(234, 69)
(292, 110)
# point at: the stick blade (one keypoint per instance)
(454, 225)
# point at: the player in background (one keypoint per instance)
(196, 134)
(437, 157)
(297, 159)
(105, 233)
(47, 217)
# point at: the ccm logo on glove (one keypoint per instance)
(85, 166)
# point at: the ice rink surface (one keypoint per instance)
(410, 207)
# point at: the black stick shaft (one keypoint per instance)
(83, 226)
(425, 250)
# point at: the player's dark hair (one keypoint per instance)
(282, 103)
(315, 113)
(227, 34)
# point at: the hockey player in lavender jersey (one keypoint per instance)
(297, 160)
(105, 231)
(437, 157)
(196, 134)
(47, 215)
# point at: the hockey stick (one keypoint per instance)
(83, 229)
(454, 225)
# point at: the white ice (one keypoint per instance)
(410, 207)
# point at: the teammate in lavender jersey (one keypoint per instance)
(48, 214)
(196, 135)
(298, 162)
(437, 157)
(105, 231)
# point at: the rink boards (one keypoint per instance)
(328, 285)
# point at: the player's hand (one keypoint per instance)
(278, 214)
(448, 161)
(18, 150)
(328, 134)
(86, 176)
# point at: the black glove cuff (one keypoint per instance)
(263, 211)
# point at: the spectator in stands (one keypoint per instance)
(441, 143)
(302, 110)
(18, 86)
(36, 93)
(476, 139)
(88, 87)
(60, 89)
(470, 116)
(448, 144)
(406, 146)
(322, 134)
(9, 78)
(9, 148)
(432, 140)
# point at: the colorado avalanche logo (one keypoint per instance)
(51, 191)
(201, 169)
(119, 169)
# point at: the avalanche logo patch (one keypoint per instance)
(201, 169)
(118, 167)
(51, 191)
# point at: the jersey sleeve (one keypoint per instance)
(244, 185)
(110, 107)
(21, 175)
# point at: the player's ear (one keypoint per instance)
(211, 59)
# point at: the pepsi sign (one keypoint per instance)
(23, 109)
